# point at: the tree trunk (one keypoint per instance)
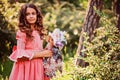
(90, 24)
(116, 7)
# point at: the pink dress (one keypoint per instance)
(31, 69)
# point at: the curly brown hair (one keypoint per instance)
(24, 26)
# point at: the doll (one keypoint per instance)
(54, 63)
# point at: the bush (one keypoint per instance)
(102, 54)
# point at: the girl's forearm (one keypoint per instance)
(45, 53)
(38, 54)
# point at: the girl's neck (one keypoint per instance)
(32, 26)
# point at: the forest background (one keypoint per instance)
(103, 50)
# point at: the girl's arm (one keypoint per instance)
(47, 52)
(44, 53)
(23, 54)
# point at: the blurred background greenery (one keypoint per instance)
(68, 15)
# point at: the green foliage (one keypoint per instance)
(9, 13)
(65, 16)
(5, 69)
(76, 3)
(102, 54)
(7, 27)
(70, 71)
(107, 4)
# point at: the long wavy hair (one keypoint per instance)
(24, 26)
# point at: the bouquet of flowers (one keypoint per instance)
(54, 63)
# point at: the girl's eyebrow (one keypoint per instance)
(31, 12)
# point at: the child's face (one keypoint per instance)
(31, 15)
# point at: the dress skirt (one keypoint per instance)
(28, 70)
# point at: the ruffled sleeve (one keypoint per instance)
(20, 50)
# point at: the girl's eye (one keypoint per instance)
(27, 14)
(33, 13)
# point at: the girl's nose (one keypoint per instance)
(31, 15)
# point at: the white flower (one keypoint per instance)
(58, 38)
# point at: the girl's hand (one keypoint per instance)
(47, 53)
(50, 41)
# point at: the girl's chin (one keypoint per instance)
(31, 23)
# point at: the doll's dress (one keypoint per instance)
(30, 69)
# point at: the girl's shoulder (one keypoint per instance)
(20, 34)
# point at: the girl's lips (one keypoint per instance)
(31, 19)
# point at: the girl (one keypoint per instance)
(27, 56)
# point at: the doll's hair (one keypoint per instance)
(24, 26)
